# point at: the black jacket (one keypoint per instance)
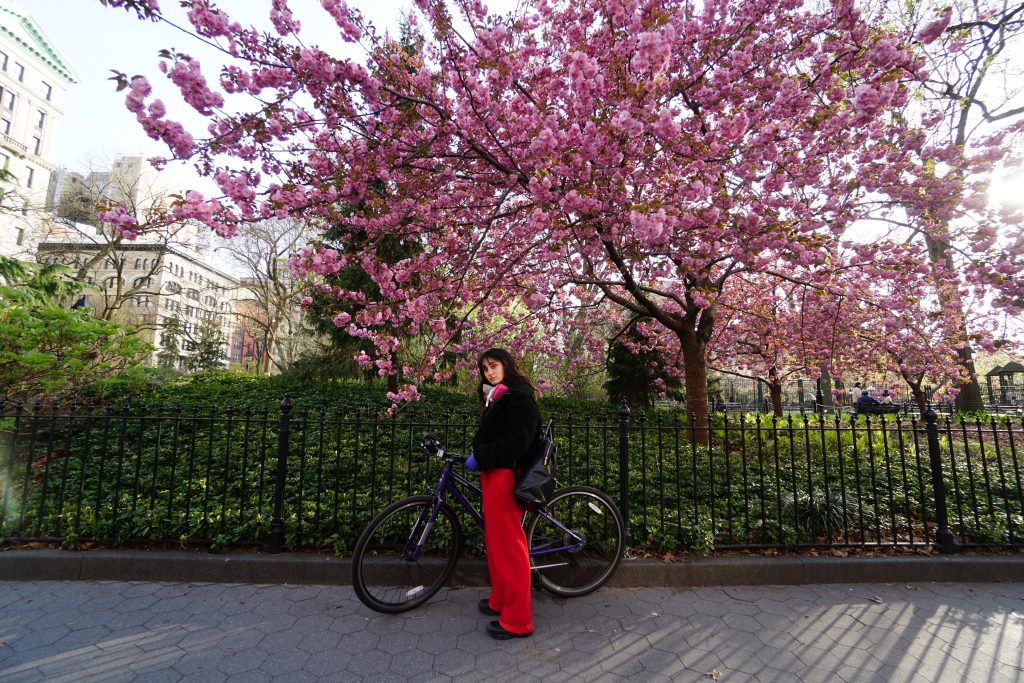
(508, 429)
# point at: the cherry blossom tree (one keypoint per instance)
(772, 331)
(637, 154)
(973, 89)
(904, 327)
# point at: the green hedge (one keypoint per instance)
(775, 483)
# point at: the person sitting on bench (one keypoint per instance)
(866, 400)
(886, 397)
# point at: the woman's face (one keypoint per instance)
(494, 371)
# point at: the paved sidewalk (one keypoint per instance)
(151, 631)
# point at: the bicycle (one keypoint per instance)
(410, 548)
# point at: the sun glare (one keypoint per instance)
(1007, 189)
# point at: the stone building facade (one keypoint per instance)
(145, 285)
(33, 80)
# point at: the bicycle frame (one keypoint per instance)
(451, 482)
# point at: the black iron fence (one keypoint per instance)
(306, 478)
(745, 395)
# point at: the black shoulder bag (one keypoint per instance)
(536, 480)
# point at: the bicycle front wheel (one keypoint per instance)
(576, 541)
(401, 560)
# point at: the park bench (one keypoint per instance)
(880, 409)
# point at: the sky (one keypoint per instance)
(94, 39)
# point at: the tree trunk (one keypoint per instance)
(695, 371)
(395, 379)
(775, 391)
(268, 340)
(825, 384)
(917, 393)
(919, 398)
(969, 399)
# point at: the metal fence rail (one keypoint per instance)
(304, 478)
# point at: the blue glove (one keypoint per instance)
(471, 463)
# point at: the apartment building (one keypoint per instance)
(34, 78)
(147, 283)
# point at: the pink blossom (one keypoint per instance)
(209, 21)
(885, 53)
(282, 18)
(653, 52)
(124, 223)
(139, 90)
(187, 75)
(935, 28)
(868, 99)
(342, 17)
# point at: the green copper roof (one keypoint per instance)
(17, 26)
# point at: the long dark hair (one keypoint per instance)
(513, 375)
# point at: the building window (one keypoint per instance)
(19, 71)
(21, 236)
(47, 91)
(4, 160)
(37, 144)
(5, 125)
(3, 61)
(41, 121)
(29, 176)
(7, 99)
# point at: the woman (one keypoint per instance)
(509, 426)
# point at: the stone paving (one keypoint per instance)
(134, 631)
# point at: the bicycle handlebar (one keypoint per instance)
(433, 447)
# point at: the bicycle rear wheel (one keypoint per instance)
(576, 541)
(387, 574)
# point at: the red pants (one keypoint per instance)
(507, 557)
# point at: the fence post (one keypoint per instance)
(624, 467)
(943, 537)
(276, 542)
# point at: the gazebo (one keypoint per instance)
(1010, 380)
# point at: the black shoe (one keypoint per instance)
(496, 631)
(485, 608)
